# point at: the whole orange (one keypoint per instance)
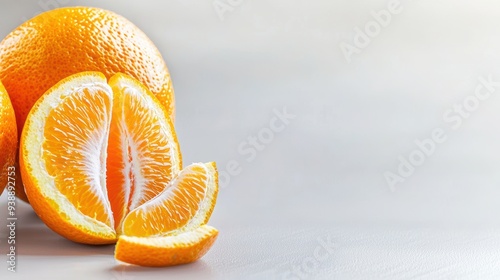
(8, 141)
(62, 42)
(66, 41)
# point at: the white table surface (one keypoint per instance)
(321, 178)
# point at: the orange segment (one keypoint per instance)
(63, 152)
(168, 250)
(75, 140)
(143, 151)
(185, 205)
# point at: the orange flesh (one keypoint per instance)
(170, 210)
(74, 151)
(139, 153)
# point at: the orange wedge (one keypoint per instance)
(170, 229)
(143, 152)
(168, 250)
(63, 158)
(185, 205)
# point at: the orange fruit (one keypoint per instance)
(100, 160)
(167, 250)
(8, 141)
(62, 42)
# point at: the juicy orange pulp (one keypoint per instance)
(186, 204)
(143, 153)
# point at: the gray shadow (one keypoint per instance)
(34, 238)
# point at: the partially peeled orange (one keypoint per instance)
(100, 161)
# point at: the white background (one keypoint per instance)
(322, 177)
